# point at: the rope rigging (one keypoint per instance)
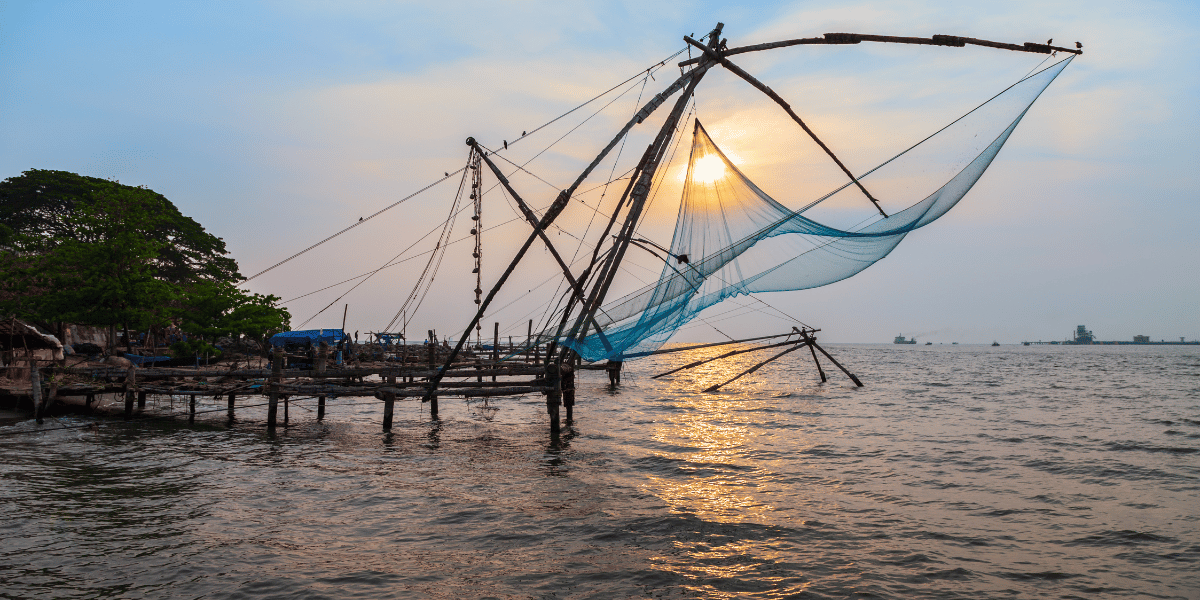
(449, 175)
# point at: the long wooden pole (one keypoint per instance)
(839, 365)
(641, 192)
(533, 221)
(718, 386)
(855, 38)
(551, 214)
(736, 70)
(726, 355)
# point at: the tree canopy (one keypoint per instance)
(39, 207)
(91, 251)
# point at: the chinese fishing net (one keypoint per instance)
(732, 238)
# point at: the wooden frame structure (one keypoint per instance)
(553, 370)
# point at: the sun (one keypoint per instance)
(708, 169)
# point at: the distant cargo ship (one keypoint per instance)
(900, 340)
(1083, 337)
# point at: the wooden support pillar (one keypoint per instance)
(130, 384)
(49, 399)
(231, 397)
(756, 367)
(141, 400)
(192, 409)
(273, 393)
(812, 342)
(529, 349)
(568, 391)
(495, 347)
(322, 357)
(818, 363)
(433, 401)
(554, 396)
(839, 365)
(613, 367)
(389, 404)
(87, 401)
(35, 389)
(286, 404)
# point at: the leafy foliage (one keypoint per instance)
(90, 251)
(39, 206)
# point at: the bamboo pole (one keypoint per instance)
(716, 387)
(726, 355)
(273, 393)
(811, 343)
(130, 384)
(839, 365)
(322, 356)
(389, 403)
(35, 384)
(854, 38)
(551, 214)
(736, 70)
(637, 203)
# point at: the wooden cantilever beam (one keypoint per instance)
(726, 355)
(762, 87)
(715, 387)
(937, 40)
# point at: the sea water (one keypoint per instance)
(956, 472)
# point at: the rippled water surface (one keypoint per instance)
(962, 472)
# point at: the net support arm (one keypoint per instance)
(756, 367)
(726, 355)
(560, 202)
(762, 87)
(953, 41)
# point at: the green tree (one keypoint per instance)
(215, 309)
(90, 251)
(106, 274)
(38, 206)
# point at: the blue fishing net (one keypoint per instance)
(732, 238)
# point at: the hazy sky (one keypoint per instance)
(275, 124)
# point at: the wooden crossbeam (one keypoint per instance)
(762, 87)
(953, 41)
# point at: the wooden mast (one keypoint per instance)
(687, 79)
(641, 192)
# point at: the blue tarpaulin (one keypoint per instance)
(142, 360)
(315, 336)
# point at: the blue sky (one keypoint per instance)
(277, 123)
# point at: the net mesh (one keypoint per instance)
(732, 238)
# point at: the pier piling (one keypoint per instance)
(276, 378)
(35, 380)
(130, 383)
(389, 403)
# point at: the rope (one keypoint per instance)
(448, 176)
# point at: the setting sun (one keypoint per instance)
(708, 169)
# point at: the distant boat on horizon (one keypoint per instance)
(994, 343)
(900, 340)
